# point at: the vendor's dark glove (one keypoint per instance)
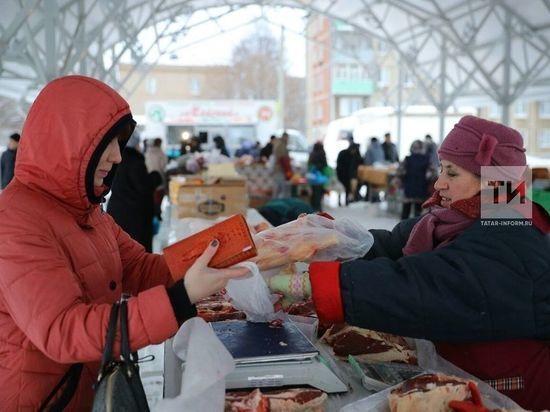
(475, 405)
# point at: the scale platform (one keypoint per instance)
(271, 357)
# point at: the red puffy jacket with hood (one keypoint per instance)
(64, 261)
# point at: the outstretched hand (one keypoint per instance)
(201, 281)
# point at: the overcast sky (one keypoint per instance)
(212, 42)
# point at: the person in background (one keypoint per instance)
(282, 169)
(319, 174)
(480, 291)
(374, 153)
(430, 148)
(65, 262)
(267, 150)
(391, 154)
(192, 145)
(132, 202)
(255, 152)
(156, 161)
(414, 171)
(219, 143)
(155, 158)
(346, 170)
(7, 161)
(244, 149)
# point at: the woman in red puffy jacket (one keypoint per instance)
(64, 261)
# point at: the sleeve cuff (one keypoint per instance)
(325, 289)
(183, 309)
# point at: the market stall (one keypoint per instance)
(338, 365)
(303, 361)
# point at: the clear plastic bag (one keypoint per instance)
(207, 362)
(252, 296)
(311, 238)
(431, 362)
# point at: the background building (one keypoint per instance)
(531, 118)
(339, 67)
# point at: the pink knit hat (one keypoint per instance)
(476, 142)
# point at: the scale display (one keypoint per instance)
(260, 342)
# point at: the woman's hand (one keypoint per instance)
(201, 281)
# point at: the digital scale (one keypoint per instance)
(267, 356)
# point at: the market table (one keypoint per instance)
(173, 373)
(168, 382)
(162, 377)
(153, 371)
(377, 177)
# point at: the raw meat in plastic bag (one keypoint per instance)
(429, 360)
(311, 238)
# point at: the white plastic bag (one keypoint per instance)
(311, 238)
(207, 362)
(252, 296)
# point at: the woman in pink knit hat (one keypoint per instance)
(472, 275)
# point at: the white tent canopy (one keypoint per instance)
(474, 50)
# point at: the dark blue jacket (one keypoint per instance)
(490, 283)
(7, 165)
(415, 183)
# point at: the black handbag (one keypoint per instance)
(119, 386)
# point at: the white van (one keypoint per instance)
(416, 122)
(337, 138)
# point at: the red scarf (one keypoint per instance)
(440, 226)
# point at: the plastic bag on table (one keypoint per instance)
(252, 296)
(429, 359)
(311, 238)
(431, 362)
(207, 362)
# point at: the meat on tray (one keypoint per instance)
(305, 308)
(430, 392)
(215, 308)
(287, 400)
(368, 345)
(254, 401)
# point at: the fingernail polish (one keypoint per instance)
(214, 243)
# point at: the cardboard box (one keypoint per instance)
(210, 197)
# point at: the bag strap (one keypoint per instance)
(130, 359)
(71, 377)
(107, 357)
(124, 339)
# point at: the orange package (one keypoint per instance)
(236, 245)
